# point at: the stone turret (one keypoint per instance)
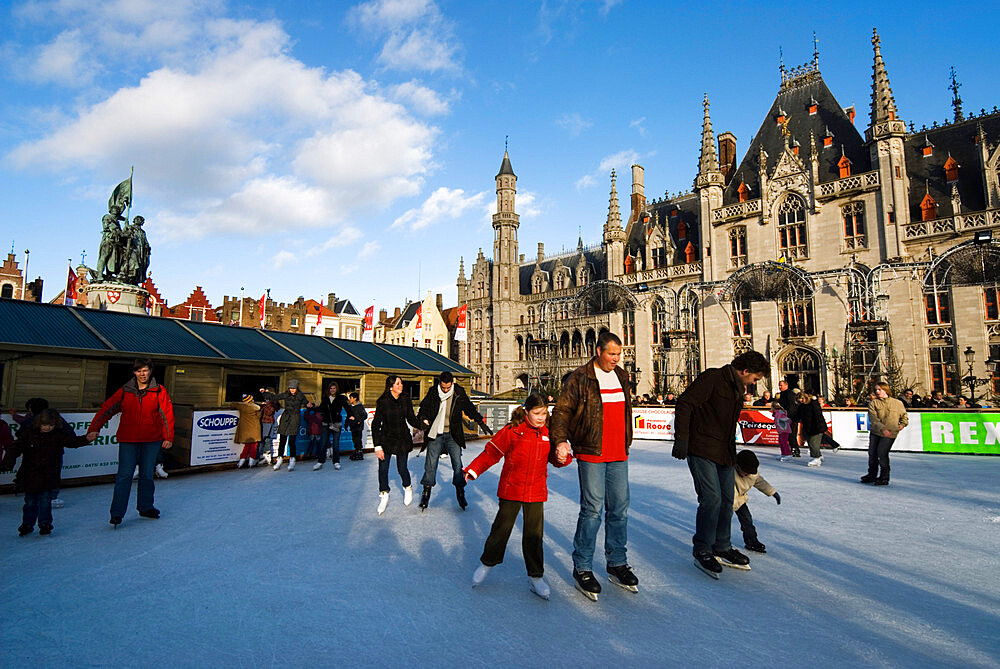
(614, 235)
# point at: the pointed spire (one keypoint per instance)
(708, 161)
(461, 269)
(505, 167)
(614, 214)
(956, 101)
(883, 104)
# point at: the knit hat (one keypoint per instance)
(294, 383)
(747, 461)
(248, 398)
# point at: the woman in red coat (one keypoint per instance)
(526, 451)
(146, 425)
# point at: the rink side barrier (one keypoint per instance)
(204, 436)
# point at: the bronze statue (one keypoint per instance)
(109, 257)
(136, 257)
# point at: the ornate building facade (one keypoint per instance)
(842, 254)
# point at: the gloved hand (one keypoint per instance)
(777, 497)
(680, 450)
(486, 428)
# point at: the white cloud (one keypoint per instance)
(63, 60)
(586, 181)
(248, 139)
(637, 124)
(417, 36)
(608, 5)
(282, 258)
(573, 123)
(443, 204)
(420, 98)
(618, 161)
(369, 250)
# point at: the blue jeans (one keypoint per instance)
(129, 454)
(602, 485)
(324, 442)
(38, 507)
(716, 487)
(436, 446)
(383, 471)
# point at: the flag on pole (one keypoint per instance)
(418, 329)
(368, 333)
(69, 299)
(260, 309)
(122, 195)
(319, 316)
(462, 329)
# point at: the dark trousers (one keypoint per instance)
(356, 438)
(531, 537)
(878, 456)
(715, 485)
(290, 440)
(38, 506)
(324, 442)
(746, 525)
(383, 471)
(443, 443)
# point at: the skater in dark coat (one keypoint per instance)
(704, 434)
(330, 409)
(40, 446)
(288, 425)
(809, 414)
(391, 436)
(357, 415)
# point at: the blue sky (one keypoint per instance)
(315, 146)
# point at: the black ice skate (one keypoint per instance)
(587, 584)
(623, 577)
(425, 497)
(708, 564)
(733, 558)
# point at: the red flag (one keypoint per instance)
(260, 309)
(69, 299)
(368, 332)
(461, 329)
(319, 317)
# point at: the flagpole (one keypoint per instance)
(241, 306)
(128, 210)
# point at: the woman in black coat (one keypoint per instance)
(391, 436)
(809, 414)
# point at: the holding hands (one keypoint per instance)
(562, 452)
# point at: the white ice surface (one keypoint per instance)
(262, 568)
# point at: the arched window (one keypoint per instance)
(536, 284)
(520, 347)
(792, 227)
(737, 246)
(590, 342)
(477, 322)
(854, 225)
(628, 327)
(531, 315)
(581, 276)
(564, 345)
(741, 317)
(563, 311)
(577, 345)
(7, 291)
(560, 279)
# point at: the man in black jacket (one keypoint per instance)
(705, 434)
(441, 413)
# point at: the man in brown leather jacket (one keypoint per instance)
(705, 434)
(594, 417)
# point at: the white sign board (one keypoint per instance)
(96, 459)
(212, 434)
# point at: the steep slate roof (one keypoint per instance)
(345, 307)
(595, 258)
(42, 326)
(928, 175)
(688, 209)
(794, 100)
(407, 315)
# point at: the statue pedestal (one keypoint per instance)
(113, 296)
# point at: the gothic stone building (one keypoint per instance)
(842, 254)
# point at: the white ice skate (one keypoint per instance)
(318, 466)
(540, 587)
(291, 464)
(160, 472)
(253, 463)
(479, 575)
(815, 462)
(383, 501)
(336, 465)
(241, 462)
(407, 495)
(277, 463)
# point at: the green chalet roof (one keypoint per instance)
(32, 325)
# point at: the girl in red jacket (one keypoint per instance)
(524, 446)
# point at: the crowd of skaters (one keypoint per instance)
(589, 423)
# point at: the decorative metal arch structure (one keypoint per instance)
(965, 264)
(766, 282)
(604, 296)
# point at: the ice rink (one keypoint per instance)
(264, 568)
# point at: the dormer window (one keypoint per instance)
(928, 208)
(928, 149)
(813, 106)
(827, 138)
(629, 264)
(844, 165)
(951, 169)
(743, 191)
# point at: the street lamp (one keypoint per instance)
(970, 379)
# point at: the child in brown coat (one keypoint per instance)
(747, 477)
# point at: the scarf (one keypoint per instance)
(443, 420)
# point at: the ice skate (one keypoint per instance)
(815, 462)
(733, 558)
(252, 464)
(160, 472)
(785, 458)
(425, 497)
(383, 501)
(268, 459)
(240, 463)
(755, 546)
(407, 495)
(291, 464)
(45, 529)
(336, 465)
(58, 503)
(540, 587)
(24, 530)
(277, 464)
(708, 564)
(318, 466)
(116, 521)
(623, 577)
(587, 584)
(479, 575)
(460, 495)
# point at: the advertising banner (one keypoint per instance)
(461, 328)
(958, 432)
(756, 426)
(652, 423)
(96, 459)
(212, 435)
